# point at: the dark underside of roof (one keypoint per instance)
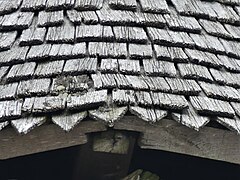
(64, 60)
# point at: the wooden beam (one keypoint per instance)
(44, 138)
(171, 136)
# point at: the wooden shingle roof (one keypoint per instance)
(64, 60)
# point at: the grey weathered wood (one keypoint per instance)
(148, 114)
(7, 39)
(130, 34)
(88, 5)
(54, 5)
(7, 7)
(86, 17)
(203, 58)
(33, 5)
(3, 71)
(63, 84)
(32, 36)
(49, 104)
(137, 82)
(39, 52)
(123, 97)
(140, 51)
(193, 71)
(177, 54)
(28, 105)
(80, 66)
(182, 23)
(169, 101)
(224, 77)
(157, 83)
(159, 67)
(162, 52)
(191, 119)
(236, 107)
(34, 87)
(45, 138)
(123, 4)
(25, 125)
(94, 33)
(14, 55)
(88, 100)
(230, 64)
(106, 49)
(108, 114)
(3, 124)
(67, 51)
(215, 28)
(10, 109)
(54, 18)
(16, 20)
(231, 47)
(61, 34)
(150, 19)
(181, 86)
(8, 91)
(220, 92)
(109, 65)
(143, 98)
(233, 30)
(68, 121)
(154, 6)
(47, 69)
(209, 106)
(106, 81)
(167, 135)
(21, 71)
(232, 124)
(127, 66)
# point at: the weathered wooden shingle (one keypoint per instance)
(215, 28)
(54, 18)
(123, 97)
(140, 51)
(3, 71)
(7, 39)
(33, 5)
(25, 125)
(69, 121)
(40, 52)
(32, 36)
(150, 19)
(54, 5)
(3, 125)
(61, 34)
(231, 48)
(182, 23)
(193, 71)
(47, 69)
(49, 104)
(88, 5)
(21, 71)
(157, 83)
(9, 6)
(106, 49)
(233, 30)
(154, 6)
(169, 101)
(8, 91)
(137, 82)
(176, 54)
(127, 66)
(236, 107)
(143, 98)
(16, 20)
(203, 58)
(94, 33)
(209, 106)
(230, 64)
(80, 66)
(86, 17)
(109, 66)
(232, 124)
(181, 86)
(123, 4)
(87, 101)
(10, 109)
(231, 79)
(14, 55)
(106, 81)
(159, 67)
(67, 51)
(220, 92)
(130, 34)
(33, 87)
(148, 114)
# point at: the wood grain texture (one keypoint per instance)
(44, 138)
(170, 136)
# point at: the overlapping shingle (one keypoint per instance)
(40, 52)
(32, 36)
(33, 5)
(47, 69)
(154, 6)
(86, 17)
(88, 5)
(140, 51)
(53, 5)
(7, 39)
(9, 6)
(123, 4)
(10, 109)
(8, 91)
(54, 18)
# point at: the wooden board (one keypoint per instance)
(170, 136)
(44, 138)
